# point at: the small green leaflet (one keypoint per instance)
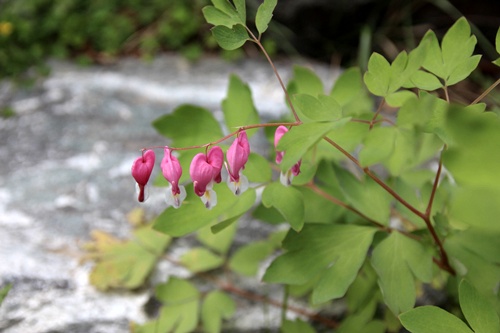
(453, 60)
(478, 311)
(338, 252)
(264, 15)
(246, 259)
(288, 201)
(497, 44)
(377, 146)
(221, 241)
(179, 313)
(183, 131)
(322, 108)
(296, 326)
(397, 259)
(4, 291)
(299, 139)
(238, 107)
(193, 215)
(431, 319)
(216, 307)
(230, 38)
(200, 259)
(305, 81)
(480, 315)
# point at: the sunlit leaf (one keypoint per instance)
(125, 264)
(377, 78)
(339, 252)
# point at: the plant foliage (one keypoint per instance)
(396, 194)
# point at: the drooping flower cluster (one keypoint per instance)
(285, 177)
(205, 171)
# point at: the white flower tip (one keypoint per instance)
(286, 178)
(209, 199)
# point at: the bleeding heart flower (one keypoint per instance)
(172, 172)
(285, 177)
(204, 171)
(141, 171)
(237, 156)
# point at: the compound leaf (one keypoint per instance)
(336, 250)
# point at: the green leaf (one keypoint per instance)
(264, 15)
(215, 16)
(296, 326)
(241, 10)
(193, 215)
(216, 307)
(305, 81)
(366, 196)
(200, 260)
(288, 201)
(362, 321)
(335, 251)
(179, 313)
(377, 78)
(323, 108)
(431, 319)
(497, 41)
(474, 254)
(188, 125)
(238, 107)
(230, 38)
(397, 99)
(257, 169)
(3, 292)
(246, 259)
(347, 86)
(378, 145)
(424, 80)
(397, 259)
(227, 8)
(220, 241)
(299, 139)
(479, 313)
(453, 62)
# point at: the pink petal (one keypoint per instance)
(172, 170)
(280, 131)
(142, 167)
(237, 155)
(201, 172)
(215, 158)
